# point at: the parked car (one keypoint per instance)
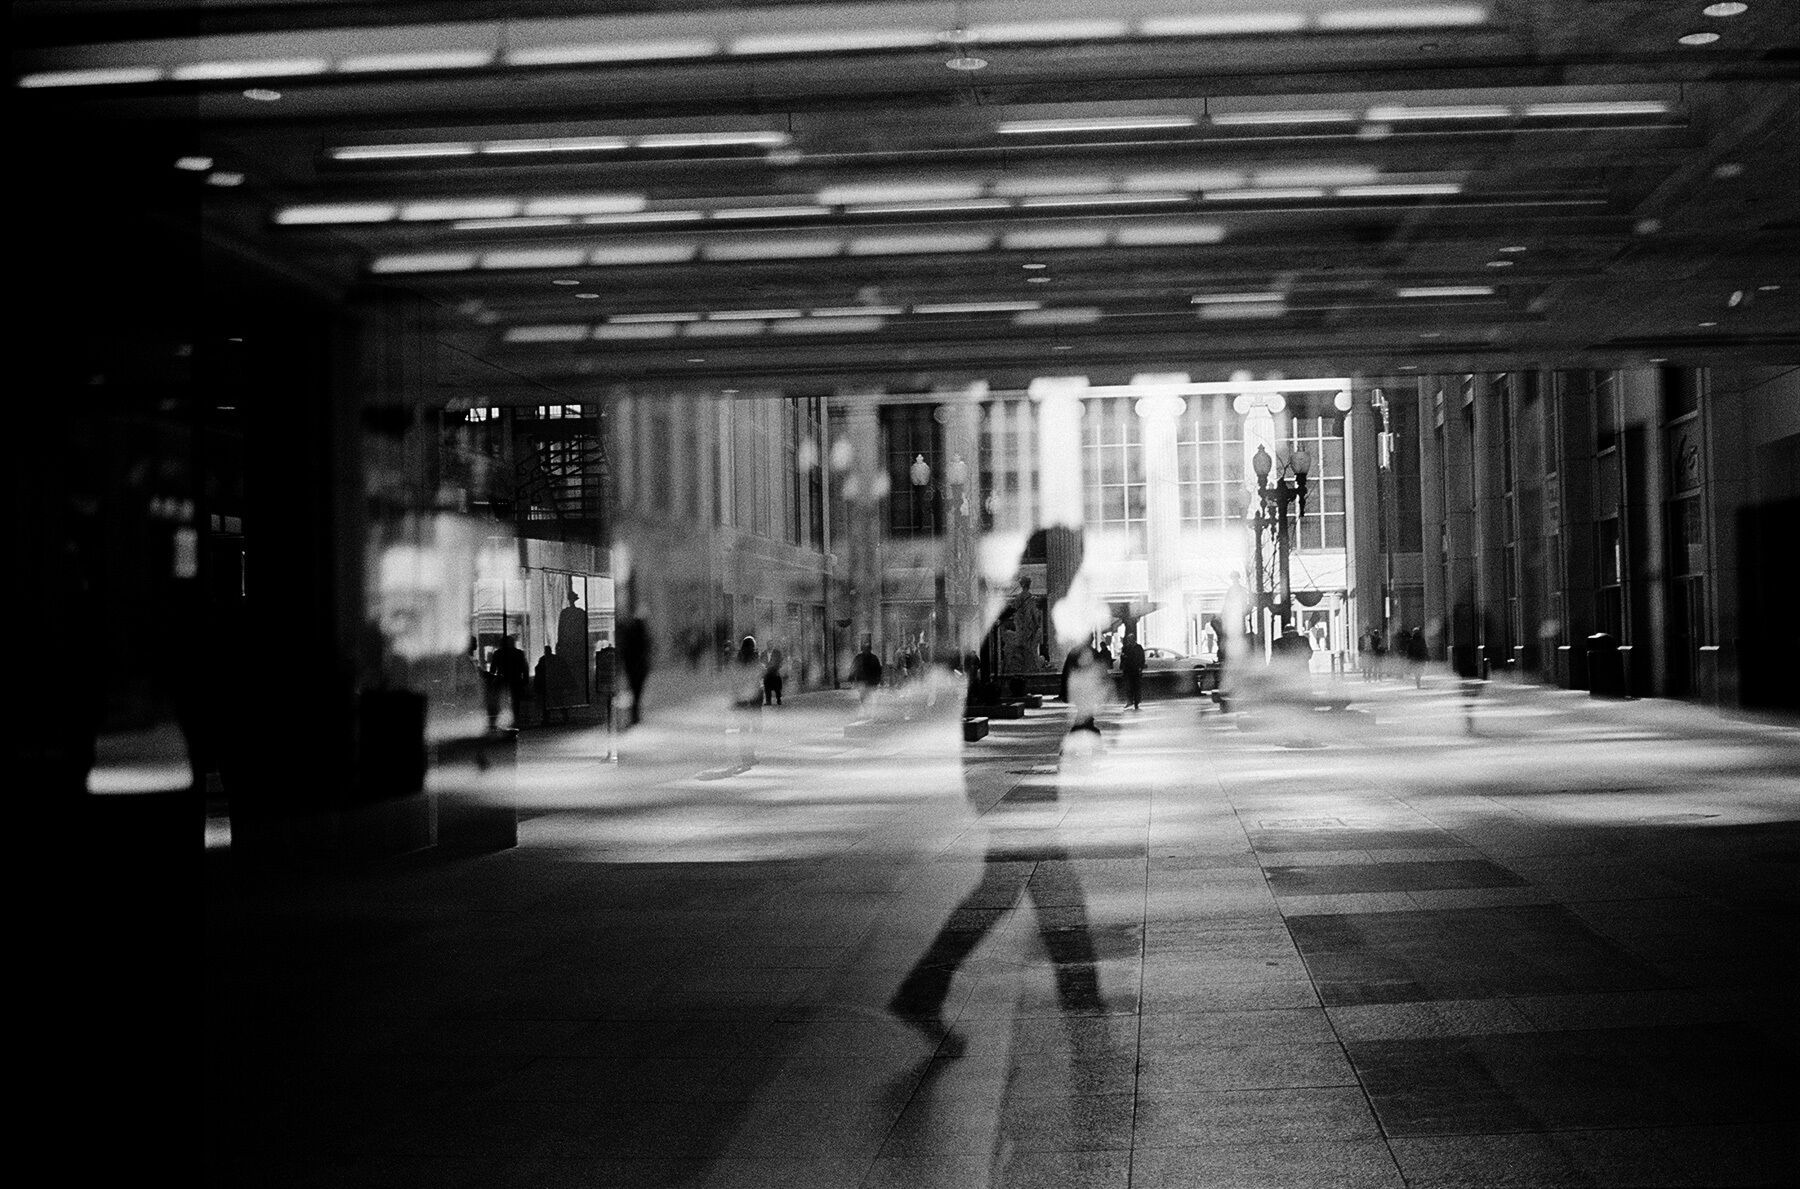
(1169, 674)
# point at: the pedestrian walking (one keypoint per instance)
(1131, 664)
(774, 675)
(634, 657)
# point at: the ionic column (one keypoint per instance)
(1062, 505)
(1159, 412)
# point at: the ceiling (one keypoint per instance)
(702, 194)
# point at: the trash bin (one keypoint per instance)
(1606, 668)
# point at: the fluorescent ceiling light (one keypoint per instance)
(1315, 175)
(1191, 179)
(894, 245)
(264, 68)
(1101, 199)
(928, 208)
(977, 307)
(653, 330)
(509, 224)
(339, 212)
(384, 152)
(535, 258)
(547, 334)
(1269, 195)
(855, 311)
(828, 325)
(796, 247)
(1052, 238)
(1388, 112)
(634, 319)
(586, 204)
(1146, 235)
(646, 217)
(1102, 124)
(1400, 190)
(439, 209)
(1224, 24)
(1090, 30)
(1620, 107)
(1260, 309)
(424, 262)
(772, 212)
(831, 41)
(556, 144)
(1706, 38)
(875, 192)
(612, 51)
(644, 253)
(708, 140)
(98, 76)
(1446, 291)
(1234, 298)
(1067, 316)
(1412, 16)
(1226, 119)
(739, 315)
(1083, 184)
(718, 330)
(471, 59)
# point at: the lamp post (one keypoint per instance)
(1280, 482)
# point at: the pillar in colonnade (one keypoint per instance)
(1433, 509)
(960, 415)
(1362, 450)
(1160, 410)
(1062, 502)
(861, 473)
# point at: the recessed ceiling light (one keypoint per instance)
(564, 281)
(1034, 265)
(1515, 248)
(966, 62)
(1709, 324)
(695, 359)
(1061, 347)
(1037, 280)
(1729, 9)
(1698, 38)
(1736, 298)
(1767, 288)
(224, 178)
(1499, 264)
(194, 164)
(1431, 334)
(1409, 367)
(588, 296)
(1659, 359)
(262, 94)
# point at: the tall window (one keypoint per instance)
(1323, 437)
(1113, 472)
(1008, 460)
(1210, 445)
(911, 432)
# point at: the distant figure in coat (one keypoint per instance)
(542, 678)
(606, 680)
(508, 670)
(865, 673)
(1416, 655)
(773, 676)
(1131, 664)
(634, 658)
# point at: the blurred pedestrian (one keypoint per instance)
(774, 675)
(634, 657)
(1417, 654)
(747, 698)
(865, 672)
(541, 680)
(1131, 664)
(606, 677)
(509, 672)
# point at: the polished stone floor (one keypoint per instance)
(1349, 950)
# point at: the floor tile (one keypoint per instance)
(1360, 1164)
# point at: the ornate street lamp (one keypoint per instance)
(1280, 482)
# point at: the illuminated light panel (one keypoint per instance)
(828, 41)
(1090, 30)
(1232, 313)
(649, 330)
(895, 245)
(385, 152)
(1446, 291)
(534, 258)
(1729, 8)
(1084, 184)
(1228, 119)
(646, 217)
(1400, 190)
(1224, 24)
(1197, 179)
(509, 224)
(1314, 175)
(262, 95)
(773, 212)
(882, 192)
(1235, 298)
(1100, 124)
(424, 262)
(612, 51)
(546, 334)
(1414, 16)
(436, 210)
(1159, 234)
(472, 59)
(251, 68)
(639, 319)
(711, 140)
(1263, 195)
(224, 177)
(340, 212)
(719, 330)
(856, 311)
(646, 253)
(829, 325)
(977, 307)
(1101, 199)
(97, 76)
(1391, 112)
(787, 248)
(586, 204)
(193, 164)
(557, 144)
(1620, 107)
(740, 315)
(1051, 238)
(930, 208)
(1068, 316)
(1698, 38)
